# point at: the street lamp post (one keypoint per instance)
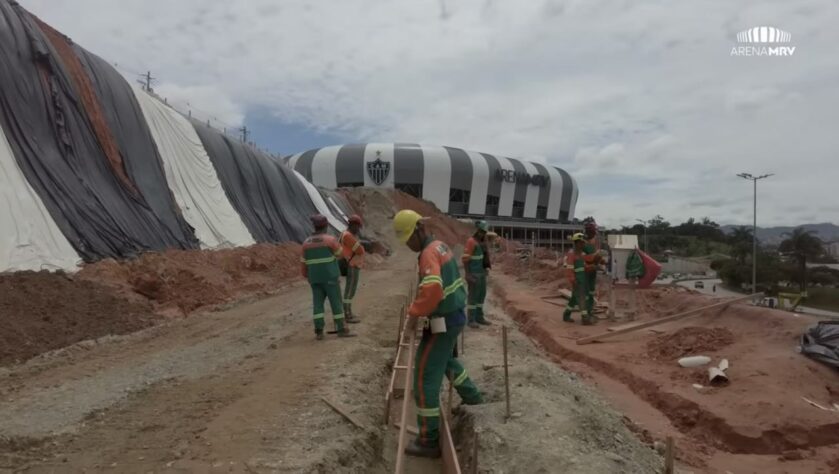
(645, 233)
(754, 180)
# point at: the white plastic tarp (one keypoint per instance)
(192, 177)
(29, 237)
(320, 204)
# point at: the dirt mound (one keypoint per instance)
(378, 206)
(43, 311)
(186, 280)
(689, 341)
(445, 228)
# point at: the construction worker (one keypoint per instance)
(475, 263)
(592, 256)
(320, 266)
(353, 254)
(440, 298)
(576, 271)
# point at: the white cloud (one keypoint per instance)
(641, 101)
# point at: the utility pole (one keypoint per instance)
(645, 233)
(245, 132)
(754, 180)
(146, 81)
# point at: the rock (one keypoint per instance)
(660, 447)
(791, 456)
(614, 457)
(273, 345)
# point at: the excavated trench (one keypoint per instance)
(687, 416)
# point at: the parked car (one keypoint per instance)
(699, 284)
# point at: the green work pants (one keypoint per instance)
(322, 291)
(433, 361)
(580, 294)
(350, 287)
(477, 296)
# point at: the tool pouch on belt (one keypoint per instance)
(437, 324)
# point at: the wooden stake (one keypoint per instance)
(475, 454)
(401, 324)
(400, 453)
(342, 412)
(656, 322)
(668, 456)
(506, 372)
(451, 388)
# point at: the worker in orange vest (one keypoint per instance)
(353, 253)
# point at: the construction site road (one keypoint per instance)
(236, 390)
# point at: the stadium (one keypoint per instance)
(516, 197)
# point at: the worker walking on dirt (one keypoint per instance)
(576, 272)
(475, 265)
(353, 254)
(320, 265)
(592, 256)
(441, 298)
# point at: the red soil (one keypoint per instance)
(759, 416)
(42, 311)
(189, 280)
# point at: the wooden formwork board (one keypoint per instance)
(450, 464)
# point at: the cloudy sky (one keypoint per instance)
(641, 101)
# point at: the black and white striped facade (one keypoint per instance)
(459, 182)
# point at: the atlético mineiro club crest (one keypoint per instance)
(378, 170)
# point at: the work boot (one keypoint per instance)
(415, 448)
(566, 316)
(474, 325)
(319, 335)
(484, 322)
(352, 319)
(587, 320)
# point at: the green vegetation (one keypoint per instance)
(778, 269)
(823, 298)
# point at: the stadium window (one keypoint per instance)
(492, 205)
(412, 189)
(350, 185)
(518, 209)
(541, 212)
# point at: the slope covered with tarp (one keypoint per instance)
(320, 203)
(271, 200)
(29, 238)
(192, 178)
(61, 140)
(135, 144)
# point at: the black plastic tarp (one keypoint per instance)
(136, 145)
(54, 142)
(821, 342)
(272, 202)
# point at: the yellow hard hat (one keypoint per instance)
(404, 224)
(578, 236)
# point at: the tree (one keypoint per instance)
(802, 245)
(741, 243)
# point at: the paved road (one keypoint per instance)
(724, 293)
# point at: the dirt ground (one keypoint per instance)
(237, 385)
(42, 311)
(759, 422)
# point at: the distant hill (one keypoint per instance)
(775, 235)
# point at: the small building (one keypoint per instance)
(621, 247)
(832, 249)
